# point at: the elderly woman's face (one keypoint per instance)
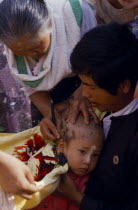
(31, 49)
(129, 4)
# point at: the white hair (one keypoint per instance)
(24, 18)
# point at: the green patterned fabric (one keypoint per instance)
(77, 10)
(33, 84)
(21, 65)
(22, 69)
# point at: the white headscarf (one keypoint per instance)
(55, 66)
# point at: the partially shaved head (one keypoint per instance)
(80, 129)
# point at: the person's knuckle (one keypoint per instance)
(76, 103)
(52, 127)
(22, 187)
(74, 109)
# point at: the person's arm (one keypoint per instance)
(15, 177)
(41, 100)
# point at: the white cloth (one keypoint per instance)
(106, 13)
(56, 65)
(131, 107)
(6, 201)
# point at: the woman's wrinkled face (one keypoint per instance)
(35, 49)
(129, 4)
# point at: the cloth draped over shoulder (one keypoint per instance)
(43, 159)
(69, 17)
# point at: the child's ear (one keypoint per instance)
(61, 145)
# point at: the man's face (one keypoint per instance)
(129, 4)
(100, 98)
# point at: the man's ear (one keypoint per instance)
(61, 145)
(125, 86)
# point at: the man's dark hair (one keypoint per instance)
(109, 55)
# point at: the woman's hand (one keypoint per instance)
(68, 189)
(15, 177)
(47, 127)
(42, 101)
(78, 104)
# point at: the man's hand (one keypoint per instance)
(15, 177)
(78, 104)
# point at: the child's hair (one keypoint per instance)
(109, 55)
(23, 18)
(68, 130)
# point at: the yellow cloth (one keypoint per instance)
(24, 145)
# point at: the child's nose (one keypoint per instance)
(87, 160)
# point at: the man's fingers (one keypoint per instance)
(94, 116)
(86, 115)
(69, 116)
(74, 110)
(74, 116)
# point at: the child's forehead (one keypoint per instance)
(87, 133)
(87, 141)
(81, 131)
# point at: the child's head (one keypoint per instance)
(25, 26)
(107, 61)
(81, 144)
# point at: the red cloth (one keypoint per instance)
(54, 202)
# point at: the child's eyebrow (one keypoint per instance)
(86, 147)
(95, 150)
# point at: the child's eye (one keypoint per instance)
(82, 151)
